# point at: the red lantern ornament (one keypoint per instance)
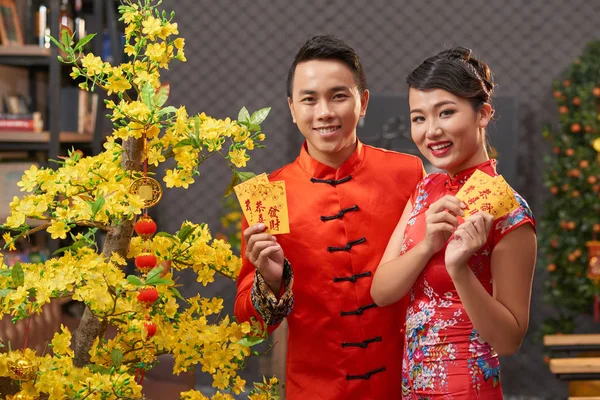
(147, 295)
(145, 261)
(145, 227)
(150, 328)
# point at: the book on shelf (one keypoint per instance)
(28, 122)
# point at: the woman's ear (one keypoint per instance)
(486, 112)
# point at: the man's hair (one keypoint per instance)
(327, 47)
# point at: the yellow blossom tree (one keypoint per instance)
(95, 193)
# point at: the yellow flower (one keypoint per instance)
(61, 343)
(117, 259)
(151, 27)
(131, 13)
(249, 144)
(58, 229)
(192, 395)
(179, 43)
(92, 64)
(9, 240)
(117, 83)
(168, 30)
(238, 157)
(239, 385)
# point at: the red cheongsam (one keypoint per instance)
(444, 357)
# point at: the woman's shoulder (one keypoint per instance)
(520, 215)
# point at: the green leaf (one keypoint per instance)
(134, 280)
(259, 116)
(243, 115)
(117, 357)
(148, 95)
(4, 292)
(185, 232)
(250, 341)
(184, 142)
(57, 43)
(177, 294)
(154, 274)
(5, 272)
(159, 281)
(84, 41)
(18, 276)
(97, 206)
(65, 36)
(161, 95)
(244, 176)
(166, 110)
(165, 234)
(235, 180)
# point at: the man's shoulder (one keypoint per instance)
(283, 172)
(392, 154)
(394, 160)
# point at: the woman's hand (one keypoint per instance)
(441, 221)
(469, 237)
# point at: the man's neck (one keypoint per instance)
(336, 159)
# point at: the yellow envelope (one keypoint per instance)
(482, 192)
(265, 202)
(244, 190)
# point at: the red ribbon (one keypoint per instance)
(26, 333)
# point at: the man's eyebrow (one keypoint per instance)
(332, 89)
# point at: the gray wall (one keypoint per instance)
(239, 52)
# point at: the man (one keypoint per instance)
(344, 201)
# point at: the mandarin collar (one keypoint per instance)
(321, 171)
(459, 179)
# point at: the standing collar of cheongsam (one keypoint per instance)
(319, 170)
(459, 179)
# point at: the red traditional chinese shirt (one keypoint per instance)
(340, 344)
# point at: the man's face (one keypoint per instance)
(326, 106)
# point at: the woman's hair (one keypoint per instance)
(456, 71)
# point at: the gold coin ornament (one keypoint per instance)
(21, 369)
(148, 189)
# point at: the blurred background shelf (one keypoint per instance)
(30, 141)
(24, 55)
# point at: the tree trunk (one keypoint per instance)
(117, 240)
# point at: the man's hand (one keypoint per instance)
(263, 251)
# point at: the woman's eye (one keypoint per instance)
(447, 113)
(418, 119)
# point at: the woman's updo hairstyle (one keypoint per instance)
(457, 71)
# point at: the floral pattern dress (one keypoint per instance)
(444, 356)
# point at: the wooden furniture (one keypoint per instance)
(576, 360)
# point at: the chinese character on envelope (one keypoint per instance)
(264, 202)
(482, 192)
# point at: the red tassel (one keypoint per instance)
(597, 308)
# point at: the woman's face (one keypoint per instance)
(447, 130)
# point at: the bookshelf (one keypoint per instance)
(36, 59)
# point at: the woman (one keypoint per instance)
(469, 278)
